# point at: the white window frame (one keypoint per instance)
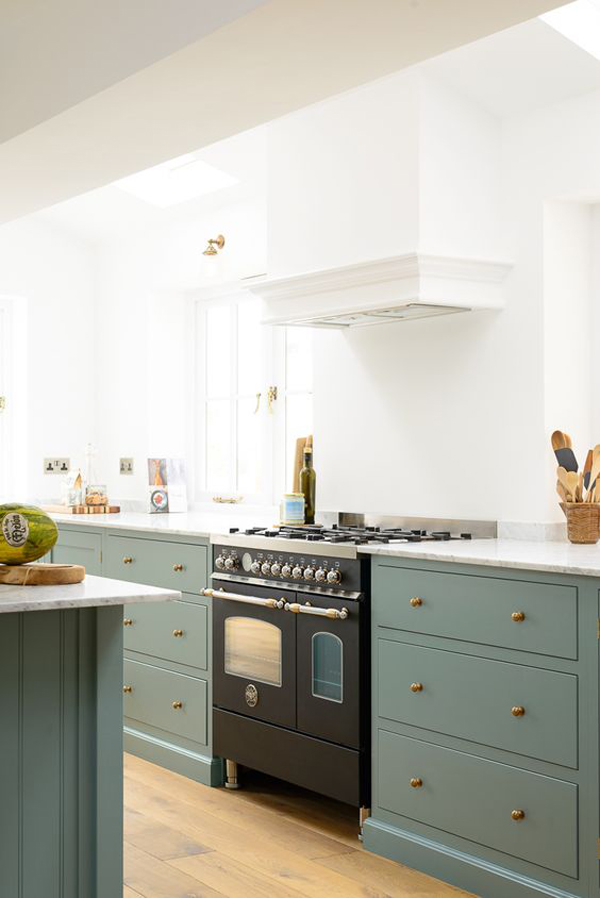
(275, 477)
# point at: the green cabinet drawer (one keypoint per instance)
(77, 547)
(167, 700)
(173, 565)
(474, 698)
(475, 799)
(175, 631)
(478, 609)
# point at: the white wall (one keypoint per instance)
(145, 326)
(55, 275)
(452, 416)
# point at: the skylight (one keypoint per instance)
(176, 181)
(579, 22)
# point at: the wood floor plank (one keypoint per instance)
(232, 878)
(227, 807)
(162, 842)
(393, 879)
(247, 845)
(152, 878)
(186, 840)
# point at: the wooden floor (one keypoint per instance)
(267, 840)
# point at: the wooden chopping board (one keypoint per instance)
(41, 574)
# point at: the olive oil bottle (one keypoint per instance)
(308, 485)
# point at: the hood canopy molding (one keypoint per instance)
(414, 285)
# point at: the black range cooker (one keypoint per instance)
(291, 653)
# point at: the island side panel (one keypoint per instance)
(60, 751)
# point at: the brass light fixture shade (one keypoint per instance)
(214, 246)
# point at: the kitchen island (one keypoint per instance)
(61, 682)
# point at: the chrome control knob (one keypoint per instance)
(334, 576)
(231, 563)
(265, 568)
(275, 569)
(320, 574)
(286, 570)
(297, 572)
(255, 567)
(309, 573)
(220, 563)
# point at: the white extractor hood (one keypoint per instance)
(414, 285)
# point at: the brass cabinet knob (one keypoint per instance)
(127, 689)
(177, 705)
(518, 616)
(177, 634)
(416, 687)
(128, 560)
(127, 622)
(517, 814)
(416, 601)
(177, 567)
(416, 782)
(517, 711)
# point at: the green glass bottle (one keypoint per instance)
(308, 485)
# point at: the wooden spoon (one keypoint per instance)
(566, 480)
(594, 474)
(561, 491)
(561, 443)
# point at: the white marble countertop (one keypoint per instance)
(557, 557)
(93, 592)
(192, 523)
(536, 555)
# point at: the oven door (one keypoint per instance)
(329, 670)
(254, 653)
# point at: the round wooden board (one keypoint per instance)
(41, 574)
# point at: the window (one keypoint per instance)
(254, 399)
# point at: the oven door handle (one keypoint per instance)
(247, 600)
(332, 613)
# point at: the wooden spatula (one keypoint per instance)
(594, 474)
(561, 443)
(569, 481)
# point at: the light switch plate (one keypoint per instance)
(126, 466)
(57, 465)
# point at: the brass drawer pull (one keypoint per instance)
(177, 634)
(518, 616)
(416, 782)
(128, 560)
(127, 690)
(127, 622)
(517, 814)
(416, 601)
(177, 706)
(177, 568)
(416, 687)
(517, 711)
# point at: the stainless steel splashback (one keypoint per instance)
(477, 529)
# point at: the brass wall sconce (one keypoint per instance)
(214, 246)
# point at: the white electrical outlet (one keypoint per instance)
(57, 465)
(126, 466)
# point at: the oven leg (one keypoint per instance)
(363, 813)
(231, 775)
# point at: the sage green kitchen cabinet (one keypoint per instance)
(167, 700)
(485, 726)
(79, 547)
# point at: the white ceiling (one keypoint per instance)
(522, 68)
(280, 56)
(56, 54)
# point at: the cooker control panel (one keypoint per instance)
(300, 570)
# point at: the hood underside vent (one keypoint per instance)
(414, 285)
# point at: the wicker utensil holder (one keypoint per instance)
(583, 521)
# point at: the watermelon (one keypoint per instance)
(26, 533)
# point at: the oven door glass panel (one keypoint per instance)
(253, 650)
(327, 667)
